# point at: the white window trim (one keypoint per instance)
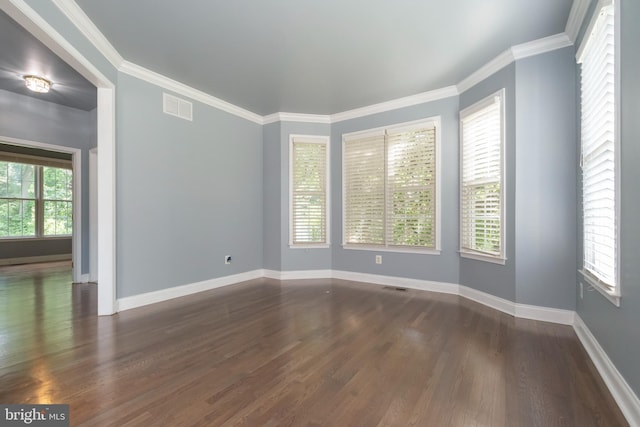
(313, 139)
(501, 258)
(40, 162)
(612, 296)
(435, 121)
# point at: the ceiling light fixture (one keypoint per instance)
(37, 84)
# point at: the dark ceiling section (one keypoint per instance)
(22, 54)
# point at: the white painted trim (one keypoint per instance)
(35, 259)
(22, 13)
(182, 89)
(88, 29)
(487, 70)
(524, 50)
(297, 275)
(93, 215)
(296, 117)
(84, 279)
(407, 101)
(76, 160)
(107, 200)
(313, 139)
(622, 393)
(488, 300)
(544, 314)
(405, 282)
(141, 300)
(540, 46)
(577, 14)
(77, 16)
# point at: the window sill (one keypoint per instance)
(594, 284)
(309, 246)
(392, 249)
(33, 239)
(481, 257)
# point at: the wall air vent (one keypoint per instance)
(177, 107)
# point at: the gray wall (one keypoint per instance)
(272, 221)
(187, 193)
(496, 279)
(24, 117)
(440, 268)
(616, 329)
(545, 181)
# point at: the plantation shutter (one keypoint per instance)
(411, 187)
(598, 150)
(309, 191)
(364, 189)
(481, 181)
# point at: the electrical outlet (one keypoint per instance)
(378, 259)
(227, 259)
(581, 290)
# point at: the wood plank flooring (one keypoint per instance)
(298, 353)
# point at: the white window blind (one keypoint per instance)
(598, 130)
(481, 192)
(390, 187)
(364, 166)
(309, 184)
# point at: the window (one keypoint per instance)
(35, 197)
(309, 183)
(482, 180)
(391, 188)
(599, 154)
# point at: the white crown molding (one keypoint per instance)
(395, 104)
(620, 390)
(577, 14)
(76, 15)
(487, 70)
(524, 50)
(540, 46)
(296, 117)
(197, 95)
(141, 300)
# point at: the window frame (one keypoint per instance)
(478, 106)
(612, 295)
(312, 139)
(399, 127)
(39, 164)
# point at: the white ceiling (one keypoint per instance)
(21, 54)
(302, 56)
(320, 57)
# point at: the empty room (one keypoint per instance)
(319, 213)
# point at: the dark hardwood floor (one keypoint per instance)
(303, 353)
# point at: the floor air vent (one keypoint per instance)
(395, 288)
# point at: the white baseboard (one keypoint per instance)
(84, 278)
(489, 300)
(297, 275)
(35, 259)
(620, 390)
(545, 314)
(622, 393)
(134, 301)
(423, 285)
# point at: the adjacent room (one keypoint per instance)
(326, 213)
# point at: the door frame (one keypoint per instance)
(22, 13)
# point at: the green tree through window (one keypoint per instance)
(35, 200)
